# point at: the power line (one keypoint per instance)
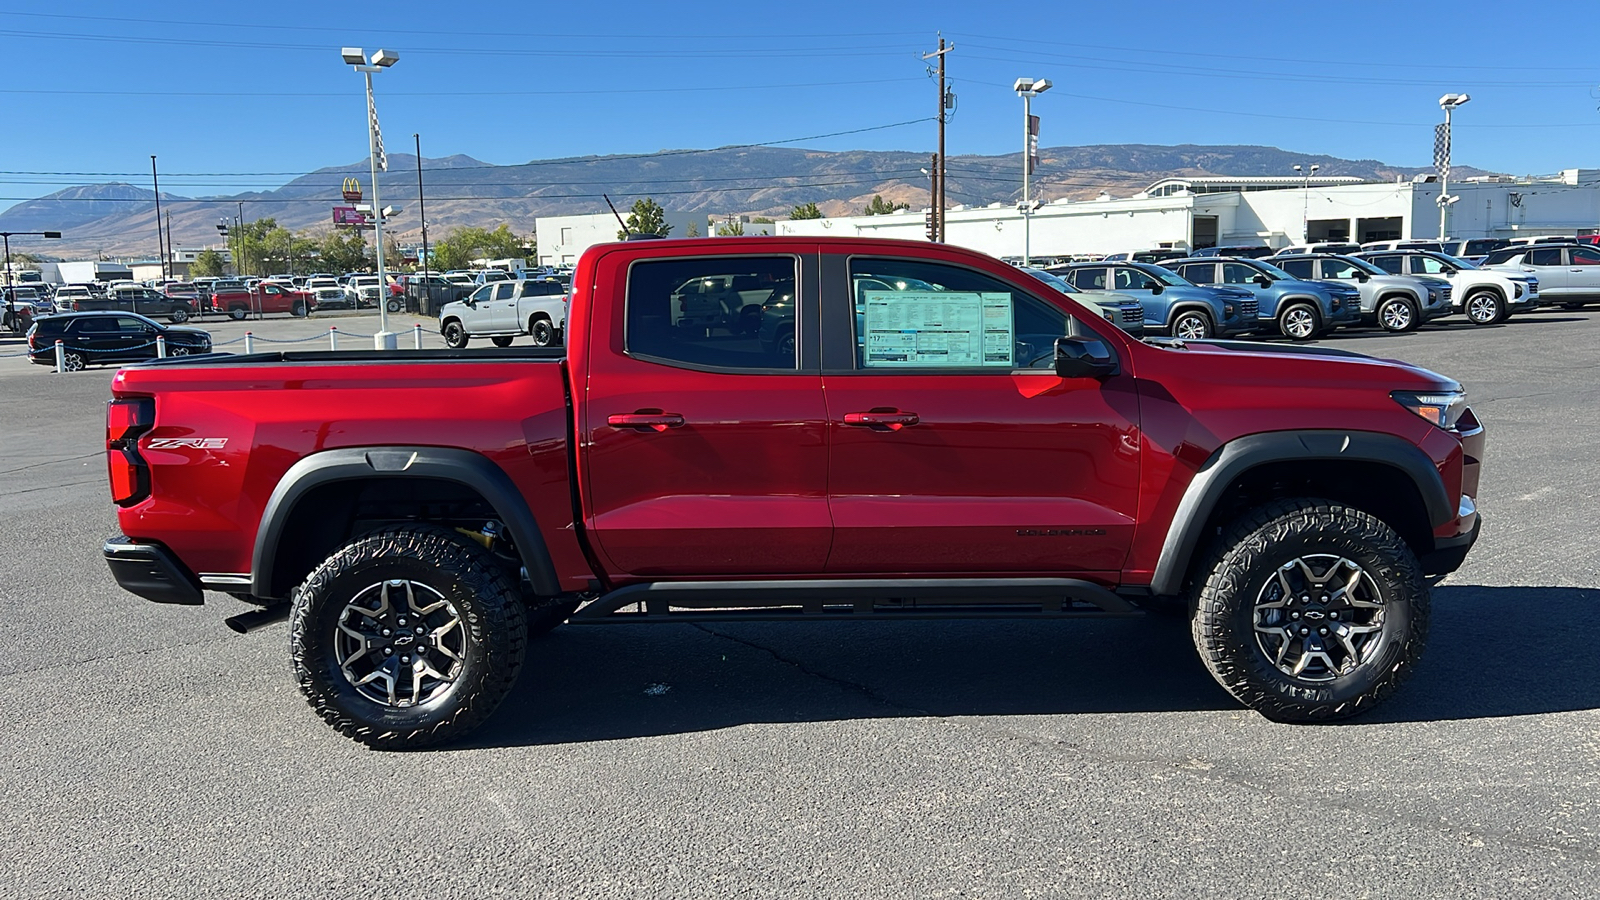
(345, 95)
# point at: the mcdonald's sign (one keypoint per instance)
(352, 189)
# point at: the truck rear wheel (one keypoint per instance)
(238, 313)
(1310, 610)
(542, 331)
(455, 337)
(407, 637)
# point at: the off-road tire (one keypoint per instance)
(470, 578)
(1193, 325)
(501, 340)
(1237, 572)
(455, 337)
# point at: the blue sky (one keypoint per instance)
(233, 88)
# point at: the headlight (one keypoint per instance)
(1433, 293)
(1336, 303)
(1442, 408)
(1227, 309)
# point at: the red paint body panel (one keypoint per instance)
(1000, 473)
(263, 300)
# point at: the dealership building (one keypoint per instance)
(1190, 213)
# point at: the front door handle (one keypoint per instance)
(882, 419)
(646, 420)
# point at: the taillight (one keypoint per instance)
(126, 420)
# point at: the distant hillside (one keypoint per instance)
(119, 219)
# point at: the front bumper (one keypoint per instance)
(1449, 553)
(152, 572)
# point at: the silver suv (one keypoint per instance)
(1568, 274)
(1488, 297)
(1394, 302)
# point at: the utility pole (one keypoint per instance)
(172, 255)
(161, 247)
(422, 209)
(944, 105)
(1305, 201)
(1441, 159)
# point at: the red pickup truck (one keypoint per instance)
(912, 431)
(264, 298)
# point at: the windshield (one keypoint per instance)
(1454, 261)
(1164, 276)
(1361, 264)
(1273, 270)
(1054, 281)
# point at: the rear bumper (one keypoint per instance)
(152, 572)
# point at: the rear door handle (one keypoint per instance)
(882, 419)
(646, 420)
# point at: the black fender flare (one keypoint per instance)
(1238, 456)
(465, 467)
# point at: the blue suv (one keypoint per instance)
(1298, 310)
(1171, 304)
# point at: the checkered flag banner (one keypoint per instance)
(377, 134)
(1441, 147)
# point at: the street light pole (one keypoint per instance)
(1027, 89)
(11, 297)
(382, 59)
(161, 245)
(1305, 202)
(1441, 152)
(422, 211)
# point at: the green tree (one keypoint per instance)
(207, 264)
(760, 220)
(692, 231)
(343, 250)
(805, 211)
(731, 228)
(882, 207)
(647, 217)
(461, 246)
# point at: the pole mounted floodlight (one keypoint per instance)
(382, 59)
(1451, 101)
(11, 298)
(1027, 89)
(1441, 159)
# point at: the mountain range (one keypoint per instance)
(118, 219)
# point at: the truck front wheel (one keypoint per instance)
(1310, 610)
(1192, 325)
(407, 637)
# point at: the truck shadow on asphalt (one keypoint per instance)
(1493, 651)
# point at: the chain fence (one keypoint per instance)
(248, 339)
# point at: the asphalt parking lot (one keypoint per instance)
(150, 752)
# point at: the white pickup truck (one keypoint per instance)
(502, 310)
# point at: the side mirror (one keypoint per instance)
(1263, 280)
(1080, 358)
(1157, 288)
(1363, 277)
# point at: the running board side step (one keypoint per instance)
(856, 599)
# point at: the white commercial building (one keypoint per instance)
(562, 239)
(1204, 212)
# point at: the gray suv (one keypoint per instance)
(1394, 302)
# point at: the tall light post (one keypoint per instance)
(1441, 158)
(382, 59)
(11, 305)
(1305, 201)
(1027, 89)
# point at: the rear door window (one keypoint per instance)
(715, 312)
(1129, 279)
(1090, 279)
(504, 290)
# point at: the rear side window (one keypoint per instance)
(1544, 257)
(1299, 268)
(721, 312)
(1093, 279)
(1394, 265)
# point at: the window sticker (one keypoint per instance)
(949, 329)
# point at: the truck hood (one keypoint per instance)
(1326, 363)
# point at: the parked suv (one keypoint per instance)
(1395, 302)
(1568, 274)
(1474, 250)
(1171, 304)
(1120, 310)
(1298, 310)
(141, 301)
(109, 337)
(1486, 296)
(1324, 247)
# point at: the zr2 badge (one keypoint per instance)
(190, 443)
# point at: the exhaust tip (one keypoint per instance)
(256, 619)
